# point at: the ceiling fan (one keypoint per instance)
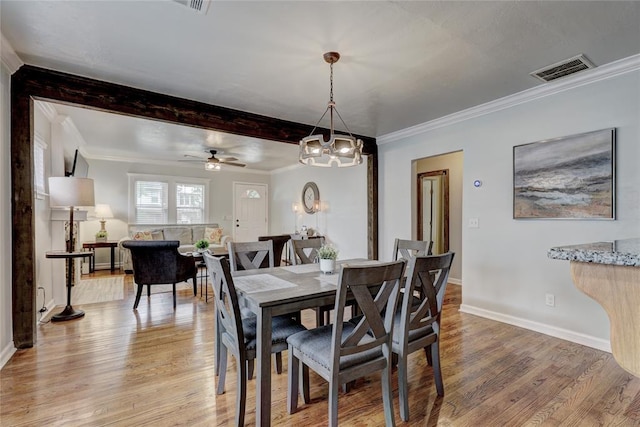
(214, 163)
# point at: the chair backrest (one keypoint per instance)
(410, 248)
(427, 280)
(305, 251)
(158, 261)
(278, 245)
(225, 297)
(374, 289)
(250, 255)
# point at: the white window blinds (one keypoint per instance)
(151, 202)
(190, 203)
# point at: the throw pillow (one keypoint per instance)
(213, 235)
(143, 235)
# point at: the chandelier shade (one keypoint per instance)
(339, 150)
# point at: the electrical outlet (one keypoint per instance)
(550, 300)
(474, 223)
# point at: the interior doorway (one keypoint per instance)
(250, 207)
(433, 209)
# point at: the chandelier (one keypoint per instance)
(340, 150)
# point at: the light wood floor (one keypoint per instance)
(154, 366)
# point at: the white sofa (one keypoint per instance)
(187, 234)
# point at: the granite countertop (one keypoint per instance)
(618, 252)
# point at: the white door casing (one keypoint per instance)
(250, 207)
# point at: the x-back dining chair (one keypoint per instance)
(250, 255)
(344, 351)
(409, 248)
(417, 324)
(238, 333)
(305, 251)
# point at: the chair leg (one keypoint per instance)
(195, 284)
(249, 369)
(427, 352)
(437, 373)
(241, 397)
(138, 294)
(174, 296)
(306, 397)
(403, 392)
(223, 369)
(319, 317)
(279, 363)
(218, 344)
(333, 403)
(292, 388)
(148, 291)
(387, 395)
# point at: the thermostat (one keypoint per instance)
(477, 183)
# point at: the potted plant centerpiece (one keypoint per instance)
(202, 245)
(327, 255)
(101, 236)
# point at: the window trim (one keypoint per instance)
(172, 182)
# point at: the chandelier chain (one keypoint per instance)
(331, 84)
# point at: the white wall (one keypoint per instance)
(505, 267)
(6, 328)
(343, 197)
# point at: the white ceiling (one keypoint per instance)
(403, 62)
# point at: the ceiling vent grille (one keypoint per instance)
(200, 6)
(563, 68)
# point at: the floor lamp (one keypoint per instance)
(70, 192)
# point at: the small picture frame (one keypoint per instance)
(571, 177)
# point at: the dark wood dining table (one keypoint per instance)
(270, 292)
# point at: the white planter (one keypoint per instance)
(327, 266)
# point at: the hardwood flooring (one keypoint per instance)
(154, 366)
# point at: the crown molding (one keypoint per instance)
(613, 69)
(9, 56)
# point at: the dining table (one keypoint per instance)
(270, 292)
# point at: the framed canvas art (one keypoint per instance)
(572, 177)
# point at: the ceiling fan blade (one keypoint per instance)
(192, 161)
(241, 165)
(228, 159)
(195, 157)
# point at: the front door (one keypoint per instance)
(250, 211)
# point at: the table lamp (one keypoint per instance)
(102, 211)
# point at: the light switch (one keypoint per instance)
(474, 223)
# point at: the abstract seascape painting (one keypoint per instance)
(565, 178)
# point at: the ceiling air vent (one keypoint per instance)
(199, 6)
(563, 68)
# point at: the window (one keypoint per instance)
(38, 166)
(190, 203)
(151, 202)
(157, 199)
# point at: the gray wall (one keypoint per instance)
(6, 331)
(505, 268)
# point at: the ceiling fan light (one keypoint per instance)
(212, 166)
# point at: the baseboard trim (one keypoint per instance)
(454, 281)
(6, 354)
(565, 334)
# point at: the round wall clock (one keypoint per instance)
(310, 197)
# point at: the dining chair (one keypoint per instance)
(250, 255)
(305, 251)
(238, 333)
(157, 262)
(417, 324)
(343, 352)
(409, 248)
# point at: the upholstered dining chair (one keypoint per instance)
(238, 333)
(409, 248)
(417, 324)
(157, 262)
(250, 255)
(344, 351)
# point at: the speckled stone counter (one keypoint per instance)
(609, 272)
(618, 252)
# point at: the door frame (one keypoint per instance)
(444, 201)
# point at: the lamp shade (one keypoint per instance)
(70, 191)
(102, 211)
